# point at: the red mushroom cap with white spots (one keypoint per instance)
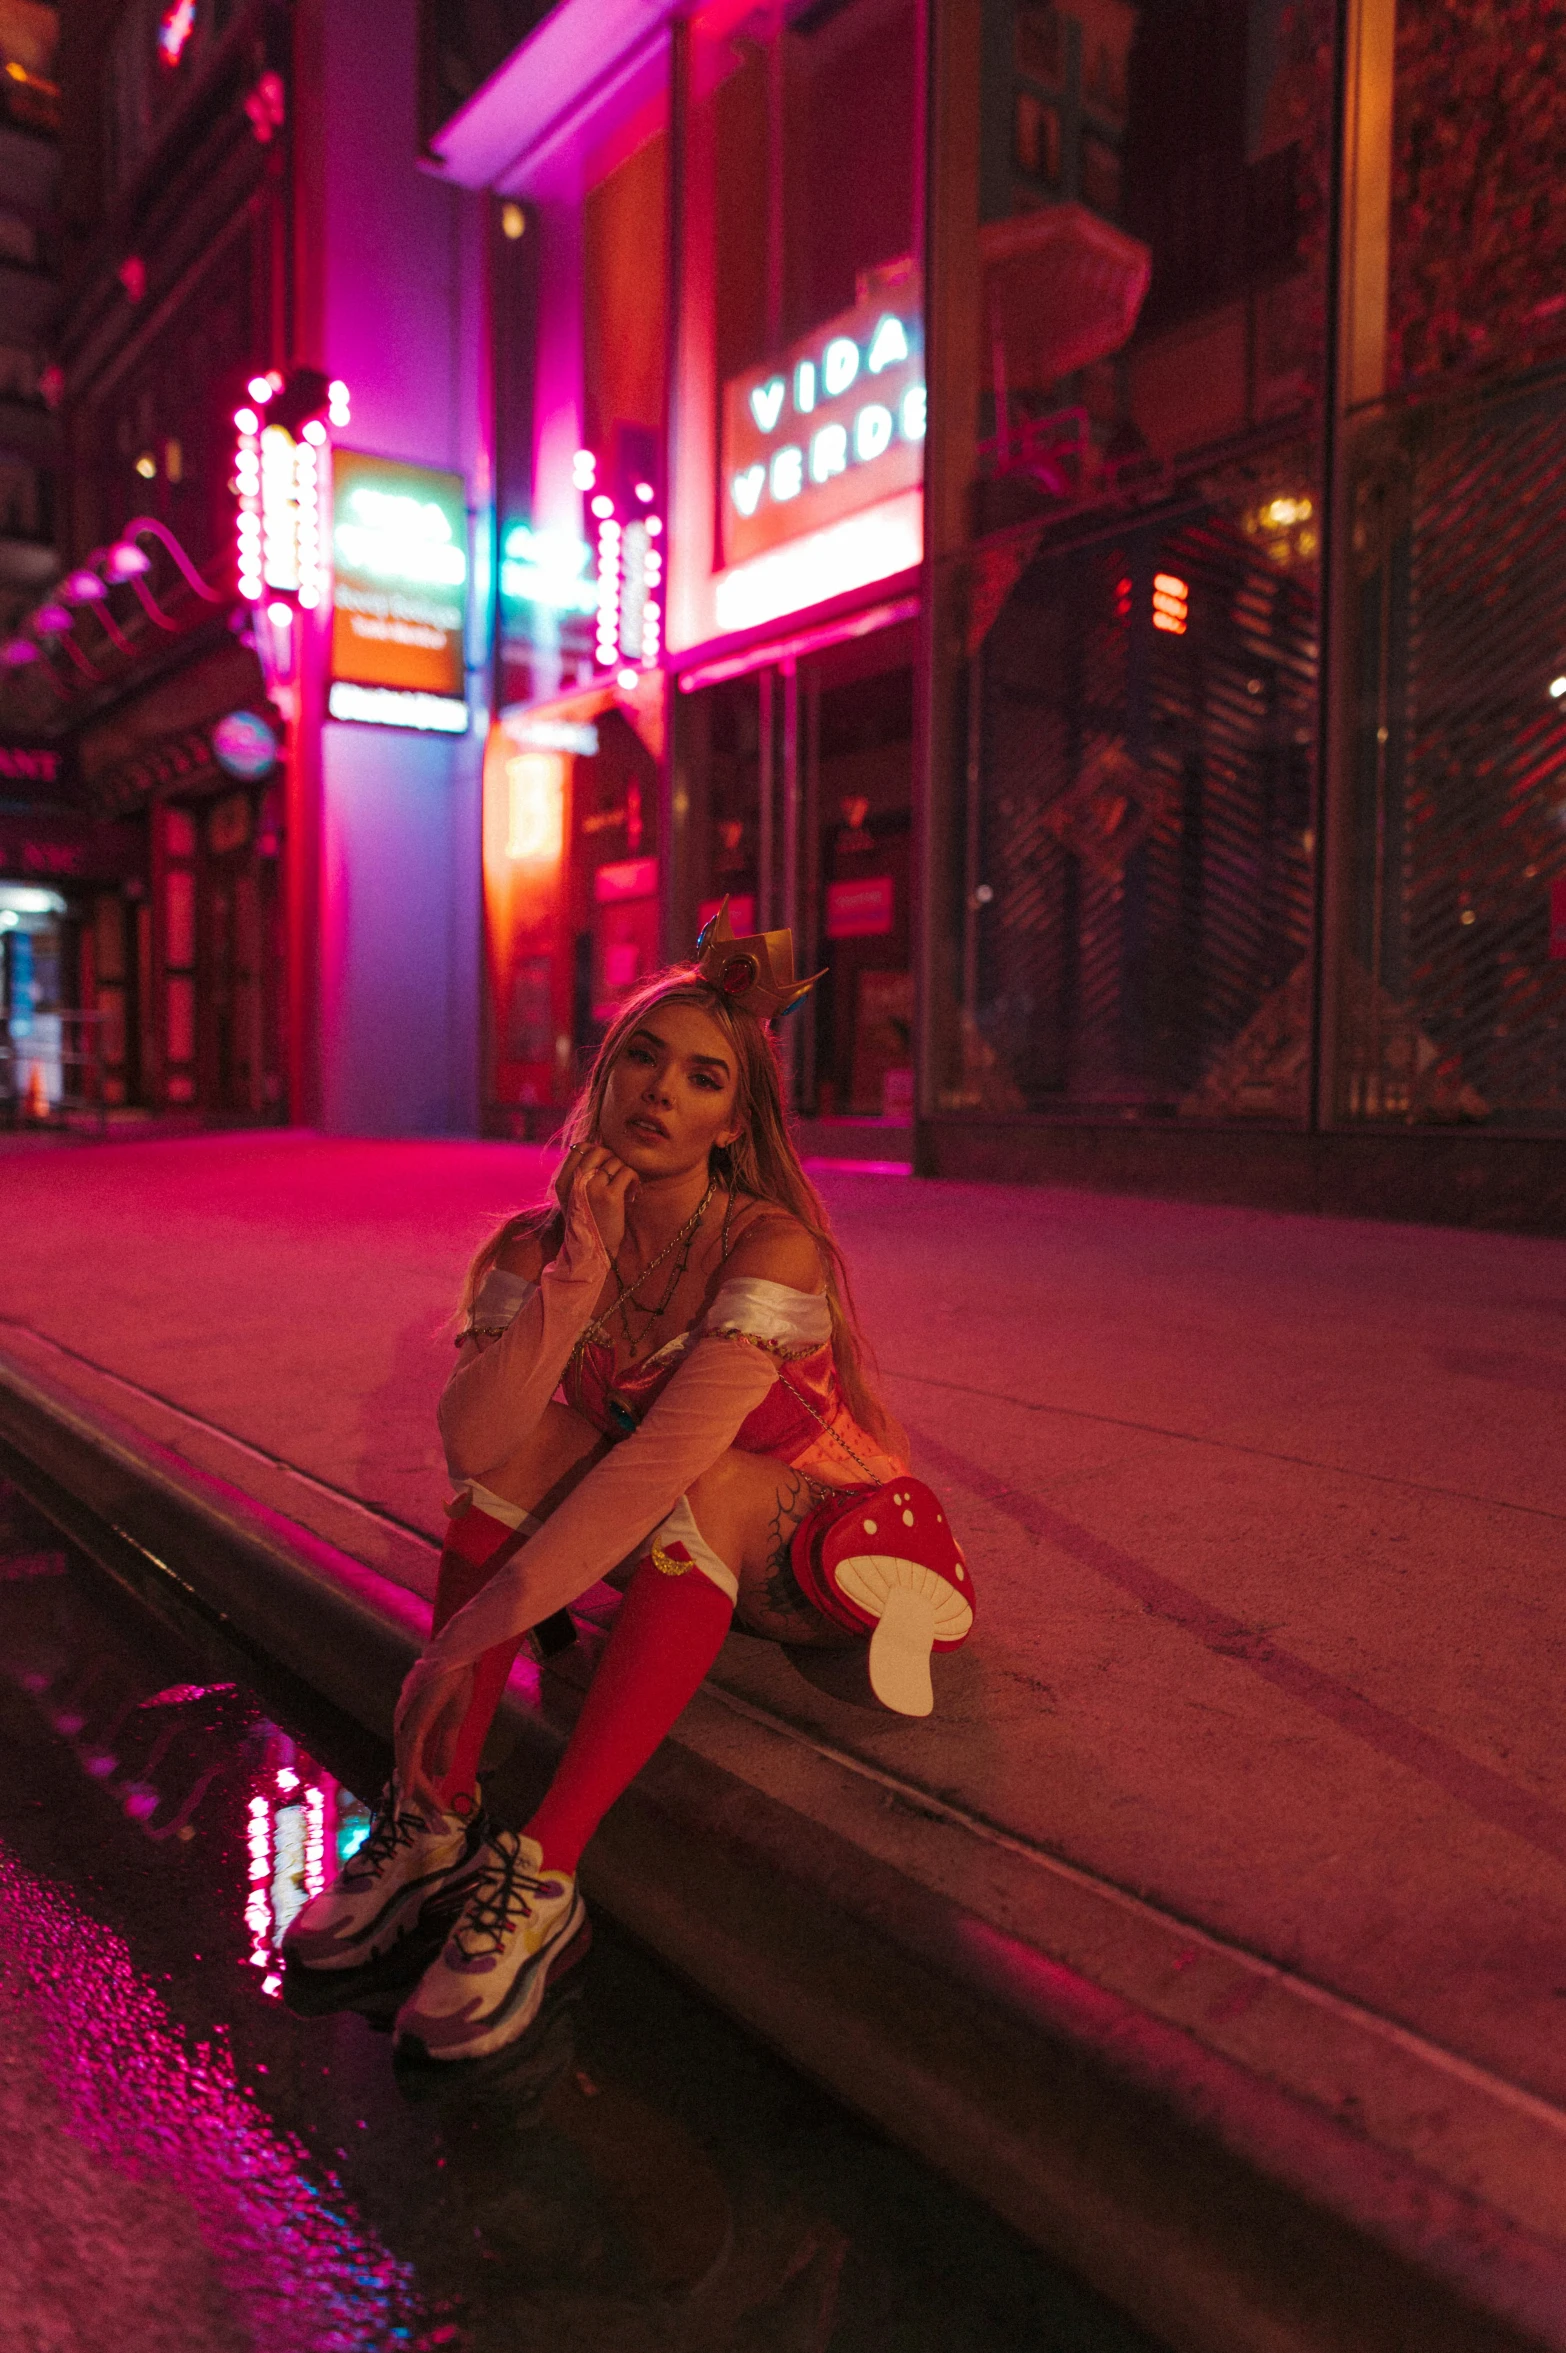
(888, 1564)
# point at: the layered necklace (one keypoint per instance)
(628, 1304)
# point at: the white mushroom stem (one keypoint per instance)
(917, 1607)
(900, 1652)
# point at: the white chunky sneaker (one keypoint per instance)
(522, 1926)
(377, 1896)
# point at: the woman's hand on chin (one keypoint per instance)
(430, 1710)
(608, 1187)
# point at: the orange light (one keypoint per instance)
(1171, 603)
(535, 807)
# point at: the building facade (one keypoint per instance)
(262, 833)
(1059, 504)
(1101, 464)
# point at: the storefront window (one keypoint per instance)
(1453, 996)
(1133, 712)
(579, 275)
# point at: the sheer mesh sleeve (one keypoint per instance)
(496, 1397)
(621, 1500)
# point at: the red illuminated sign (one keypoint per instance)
(859, 910)
(1171, 603)
(629, 878)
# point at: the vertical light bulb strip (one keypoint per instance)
(315, 1842)
(279, 509)
(307, 504)
(634, 544)
(247, 484)
(652, 602)
(258, 1905)
(608, 592)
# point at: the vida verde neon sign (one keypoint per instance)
(833, 424)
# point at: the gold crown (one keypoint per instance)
(756, 973)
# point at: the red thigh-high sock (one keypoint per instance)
(667, 1633)
(475, 1547)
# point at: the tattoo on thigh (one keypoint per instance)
(796, 1499)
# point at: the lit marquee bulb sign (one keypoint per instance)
(629, 588)
(835, 423)
(278, 482)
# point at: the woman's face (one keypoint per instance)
(671, 1093)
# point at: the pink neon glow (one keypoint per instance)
(584, 470)
(808, 641)
(128, 2095)
(315, 431)
(174, 30)
(260, 389)
(874, 544)
(603, 507)
(654, 526)
(246, 421)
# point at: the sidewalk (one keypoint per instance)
(1250, 1777)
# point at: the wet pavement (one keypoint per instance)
(191, 2166)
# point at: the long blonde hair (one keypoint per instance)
(762, 1162)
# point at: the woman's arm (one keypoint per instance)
(500, 1388)
(623, 1498)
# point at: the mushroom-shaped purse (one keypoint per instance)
(885, 1562)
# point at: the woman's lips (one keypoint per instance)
(642, 1125)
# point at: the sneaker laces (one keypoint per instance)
(394, 1826)
(500, 1902)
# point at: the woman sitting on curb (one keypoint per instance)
(659, 1380)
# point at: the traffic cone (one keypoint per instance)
(37, 1093)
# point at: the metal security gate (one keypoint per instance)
(1454, 1005)
(1139, 896)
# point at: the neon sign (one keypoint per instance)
(548, 568)
(399, 594)
(834, 425)
(391, 536)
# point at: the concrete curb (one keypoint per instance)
(1224, 2211)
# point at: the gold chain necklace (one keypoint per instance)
(628, 1301)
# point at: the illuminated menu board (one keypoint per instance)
(399, 594)
(833, 424)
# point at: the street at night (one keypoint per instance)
(1257, 1737)
(223, 2174)
(782, 1176)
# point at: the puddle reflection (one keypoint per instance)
(629, 2174)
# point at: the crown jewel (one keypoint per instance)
(756, 972)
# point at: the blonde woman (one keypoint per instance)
(660, 1381)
